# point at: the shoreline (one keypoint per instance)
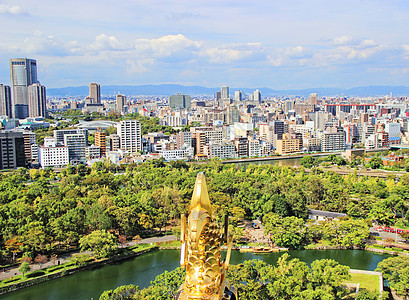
(100, 263)
(66, 272)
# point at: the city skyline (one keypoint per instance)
(210, 43)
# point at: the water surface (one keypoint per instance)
(142, 269)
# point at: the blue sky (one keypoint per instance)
(277, 44)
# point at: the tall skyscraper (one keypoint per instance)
(23, 72)
(120, 102)
(180, 101)
(5, 101)
(313, 99)
(36, 101)
(225, 92)
(232, 114)
(95, 92)
(238, 96)
(129, 132)
(257, 96)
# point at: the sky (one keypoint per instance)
(290, 44)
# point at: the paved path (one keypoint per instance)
(255, 235)
(66, 257)
(384, 235)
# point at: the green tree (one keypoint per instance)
(396, 271)
(328, 275)
(100, 242)
(366, 295)
(80, 259)
(288, 232)
(24, 268)
(308, 161)
(375, 162)
(288, 280)
(345, 232)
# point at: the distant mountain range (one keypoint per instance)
(171, 89)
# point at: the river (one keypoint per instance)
(141, 270)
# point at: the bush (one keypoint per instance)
(36, 274)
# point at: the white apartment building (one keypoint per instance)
(255, 149)
(59, 134)
(333, 141)
(216, 136)
(312, 144)
(184, 153)
(266, 132)
(34, 152)
(173, 120)
(129, 132)
(53, 156)
(222, 151)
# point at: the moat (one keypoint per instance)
(141, 270)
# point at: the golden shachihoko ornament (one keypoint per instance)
(200, 252)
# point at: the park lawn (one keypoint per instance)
(366, 281)
(170, 244)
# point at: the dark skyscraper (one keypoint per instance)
(5, 101)
(95, 92)
(23, 72)
(180, 101)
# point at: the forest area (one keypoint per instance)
(43, 212)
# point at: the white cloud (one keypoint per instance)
(297, 55)
(104, 42)
(41, 44)
(11, 9)
(171, 44)
(233, 52)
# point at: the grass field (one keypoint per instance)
(369, 282)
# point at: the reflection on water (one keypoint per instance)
(141, 270)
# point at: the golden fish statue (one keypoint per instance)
(201, 251)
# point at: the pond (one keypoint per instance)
(142, 269)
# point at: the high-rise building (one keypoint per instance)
(23, 72)
(334, 139)
(129, 132)
(95, 92)
(238, 96)
(120, 102)
(76, 144)
(241, 144)
(36, 101)
(29, 140)
(11, 150)
(180, 101)
(183, 138)
(313, 99)
(114, 142)
(225, 92)
(59, 134)
(5, 101)
(232, 114)
(257, 96)
(100, 141)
